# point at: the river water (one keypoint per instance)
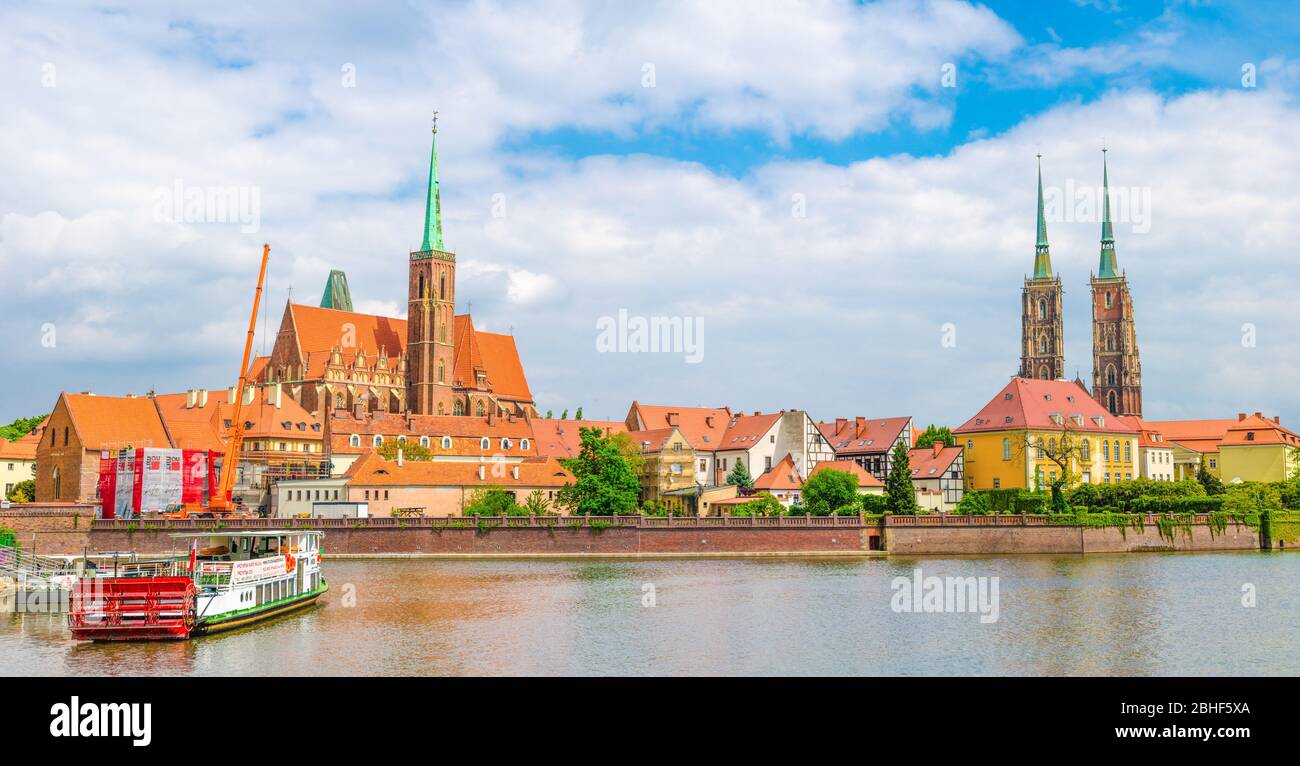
(1134, 614)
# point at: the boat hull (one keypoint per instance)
(268, 612)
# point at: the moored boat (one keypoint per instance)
(228, 580)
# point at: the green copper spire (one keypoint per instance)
(337, 295)
(1042, 257)
(433, 203)
(1109, 268)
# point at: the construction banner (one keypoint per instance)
(153, 480)
(107, 485)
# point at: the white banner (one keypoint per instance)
(242, 572)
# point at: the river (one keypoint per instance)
(1133, 614)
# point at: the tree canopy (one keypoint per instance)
(604, 483)
(932, 434)
(21, 427)
(829, 490)
(900, 493)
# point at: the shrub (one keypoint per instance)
(1030, 502)
(493, 501)
(1251, 498)
(763, 504)
(23, 492)
(8, 538)
(828, 488)
(874, 504)
(974, 503)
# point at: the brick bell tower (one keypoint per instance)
(1042, 351)
(1116, 368)
(431, 309)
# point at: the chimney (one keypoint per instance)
(400, 456)
(861, 425)
(273, 393)
(1257, 414)
(1277, 419)
(189, 399)
(514, 472)
(938, 447)
(202, 398)
(1241, 416)
(756, 413)
(248, 395)
(230, 395)
(490, 416)
(840, 423)
(481, 472)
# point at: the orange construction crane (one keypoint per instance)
(221, 503)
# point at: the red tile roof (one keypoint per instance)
(203, 426)
(781, 476)
(1028, 403)
(466, 432)
(504, 370)
(744, 431)
(1148, 435)
(107, 422)
(1197, 435)
(703, 427)
(19, 449)
(931, 463)
(858, 436)
(865, 479)
(561, 438)
(1257, 429)
(320, 330)
(371, 470)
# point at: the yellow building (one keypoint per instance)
(1248, 448)
(669, 464)
(17, 462)
(1034, 430)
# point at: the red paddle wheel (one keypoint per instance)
(132, 608)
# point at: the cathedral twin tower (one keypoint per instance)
(1116, 370)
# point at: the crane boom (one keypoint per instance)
(221, 501)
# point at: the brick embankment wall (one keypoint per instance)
(50, 527)
(961, 539)
(532, 541)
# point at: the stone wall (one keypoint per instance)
(50, 527)
(957, 537)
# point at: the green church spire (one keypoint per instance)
(337, 295)
(1109, 268)
(1042, 256)
(433, 202)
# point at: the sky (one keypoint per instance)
(840, 195)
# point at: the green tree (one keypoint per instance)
(932, 434)
(492, 501)
(578, 415)
(536, 504)
(874, 504)
(739, 476)
(21, 427)
(763, 504)
(564, 415)
(898, 487)
(630, 450)
(829, 490)
(410, 450)
(1208, 480)
(604, 483)
(549, 414)
(974, 503)
(22, 492)
(1243, 499)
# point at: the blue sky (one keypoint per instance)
(572, 191)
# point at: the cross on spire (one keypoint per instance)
(433, 200)
(1042, 256)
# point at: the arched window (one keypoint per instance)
(478, 408)
(505, 443)
(440, 372)
(1110, 376)
(421, 293)
(1113, 405)
(523, 444)
(1042, 345)
(65, 436)
(446, 442)
(442, 286)
(1105, 450)
(354, 440)
(459, 408)
(1042, 309)
(424, 442)
(1085, 450)
(1051, 447)
(58, 483)
(1108, 299)
(1128, 451)
(1110, 342)
(484, 443)
(378, 440)
(440, 412)
(1042, 374)
(401, 439)
(1040, 449)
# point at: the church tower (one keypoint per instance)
(431, 308)
(1116, 370)
(1042, 353)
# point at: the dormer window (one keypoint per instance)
(1007, 396)
(377, 440)
(354, 440)
(505, 443)
(424, 441)
(446, 442)
(1250, 436)
(523, 444)
(287, 425)
(484, 443)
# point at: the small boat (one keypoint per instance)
(228, 580)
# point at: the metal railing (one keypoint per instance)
(426, 522)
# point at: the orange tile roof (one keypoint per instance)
(859, 436)
(371, 470)
(1197, 435)
(19, 449)
(501, 360)
(1027, 403)
(781, 476)
(1255, 429)
(744, 431)
(865, 479)
(104, 422)
(1148, 435)
(703, 427)
(466, 431)
(561, 438)
(204, 427)
(257, 366)
(320, 330)
(929, 463)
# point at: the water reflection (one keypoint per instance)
(1059, 615)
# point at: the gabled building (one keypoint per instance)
(939, 475)
(81, 428)
(559, 438)
(1155, 454)
(18, 461)
(443, 488)
(450, 438)
(783, 481)
(1010, 441)
(669, 465)
(1194, 442)
(1251, 447)
(869, 442)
